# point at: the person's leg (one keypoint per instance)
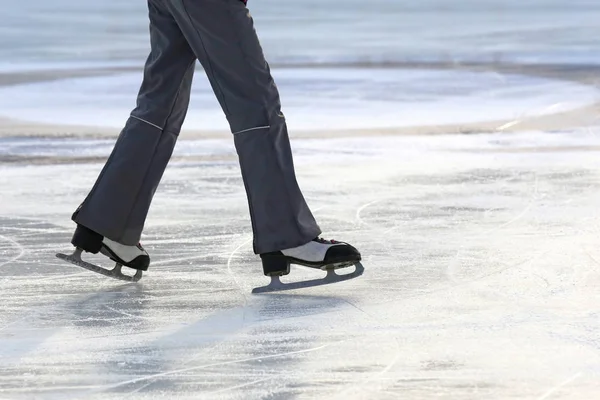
(222, 35)
(117, 206)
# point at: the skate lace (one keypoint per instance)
(325, 241)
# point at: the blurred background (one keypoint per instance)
(339, 65)
(42, 33)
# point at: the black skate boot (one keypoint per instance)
(129, 256)
(327, 255)
(85, 239)
(318, 253)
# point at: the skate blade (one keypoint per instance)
(332, 277)
(114, 273)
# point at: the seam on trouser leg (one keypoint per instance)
(257, 85)
(178, 93)
(266, 108)
(152, 158)
(253, 129)
(148, 122)
(268, 120)
(212, 70)
(96, 184)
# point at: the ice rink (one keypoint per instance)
(482, 273)
(456, 144)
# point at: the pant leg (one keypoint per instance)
(222, 35)
(118, 203)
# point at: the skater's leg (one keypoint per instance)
(117, 206)
(222, 35)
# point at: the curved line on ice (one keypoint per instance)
(177, 371)
(450, 269)
(231, 272)
(363, 207)
(17, 245)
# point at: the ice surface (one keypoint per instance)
(481, 282)
(481, 252)
(317, 98)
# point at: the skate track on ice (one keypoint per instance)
(482, 262)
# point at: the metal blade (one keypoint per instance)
(332, 277)
(115, 273)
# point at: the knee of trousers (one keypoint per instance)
(166, 113)
(255, 118)
(170, 120)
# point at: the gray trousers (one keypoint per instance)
(220, 34)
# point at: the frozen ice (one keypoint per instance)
(482, 274)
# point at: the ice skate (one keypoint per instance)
(85, 240)
(326, 255)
